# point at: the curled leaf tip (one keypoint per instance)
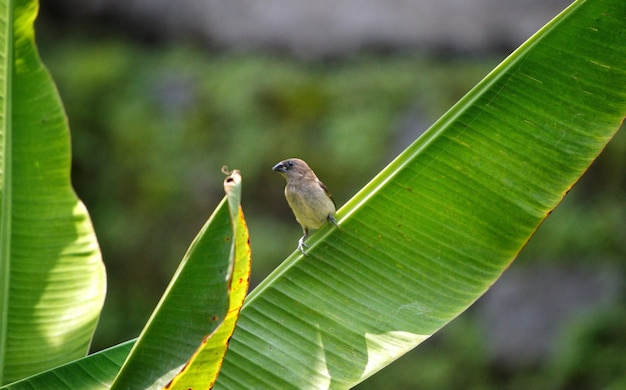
(232, 179)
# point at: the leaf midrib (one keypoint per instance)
(5, 177)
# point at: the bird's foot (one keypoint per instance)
(302, 245)
(331, 219)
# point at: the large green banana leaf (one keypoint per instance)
(203, 368)
(436, 228)
(429, 235)
(52, 279)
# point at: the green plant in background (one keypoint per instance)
(432, 231)
(132, 180)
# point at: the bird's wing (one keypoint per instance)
(326, 191)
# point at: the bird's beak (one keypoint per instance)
(280, 167)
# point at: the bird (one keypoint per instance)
(309, 199)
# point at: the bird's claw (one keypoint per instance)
(302, 245)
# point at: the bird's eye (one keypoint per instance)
(290, 163)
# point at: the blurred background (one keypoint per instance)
(160, 94)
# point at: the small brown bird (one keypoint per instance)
(307, 196)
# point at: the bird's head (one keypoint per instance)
(292, 167)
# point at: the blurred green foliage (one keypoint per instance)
(153, 124)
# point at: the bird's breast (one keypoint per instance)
(310, 205)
